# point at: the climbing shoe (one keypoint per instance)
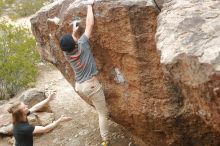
(105, 143)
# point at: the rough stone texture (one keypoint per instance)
(162, 3)
(6, 130)
(41, 118)
(5, 120)
(188, 38)
(144, 93)
(33, 96)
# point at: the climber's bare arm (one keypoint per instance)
(89, 20)
(75, 35)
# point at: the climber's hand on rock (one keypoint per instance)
(75, 25)
(88, 2)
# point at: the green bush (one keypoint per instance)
(28, 7)
(21, 8)
(4, 4)
(18, 57)
(1, 7)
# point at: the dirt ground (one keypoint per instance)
(83, 130)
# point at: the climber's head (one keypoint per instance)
(19, 112)
(67, 43)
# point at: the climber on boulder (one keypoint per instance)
(78, 53)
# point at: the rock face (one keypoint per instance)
(159, 97)
(41, 118)
(160, 3)
(5, 120)
(33, 96)
(188, 38)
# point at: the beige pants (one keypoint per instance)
(93, 89)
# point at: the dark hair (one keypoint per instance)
(17, 113)
(67, 43)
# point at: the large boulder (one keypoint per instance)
(5, 120)
(41, 118)
(142, 91)
(33, 96)
(188, 39)
(160, 3)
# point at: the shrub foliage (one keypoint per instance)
(18, 57)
